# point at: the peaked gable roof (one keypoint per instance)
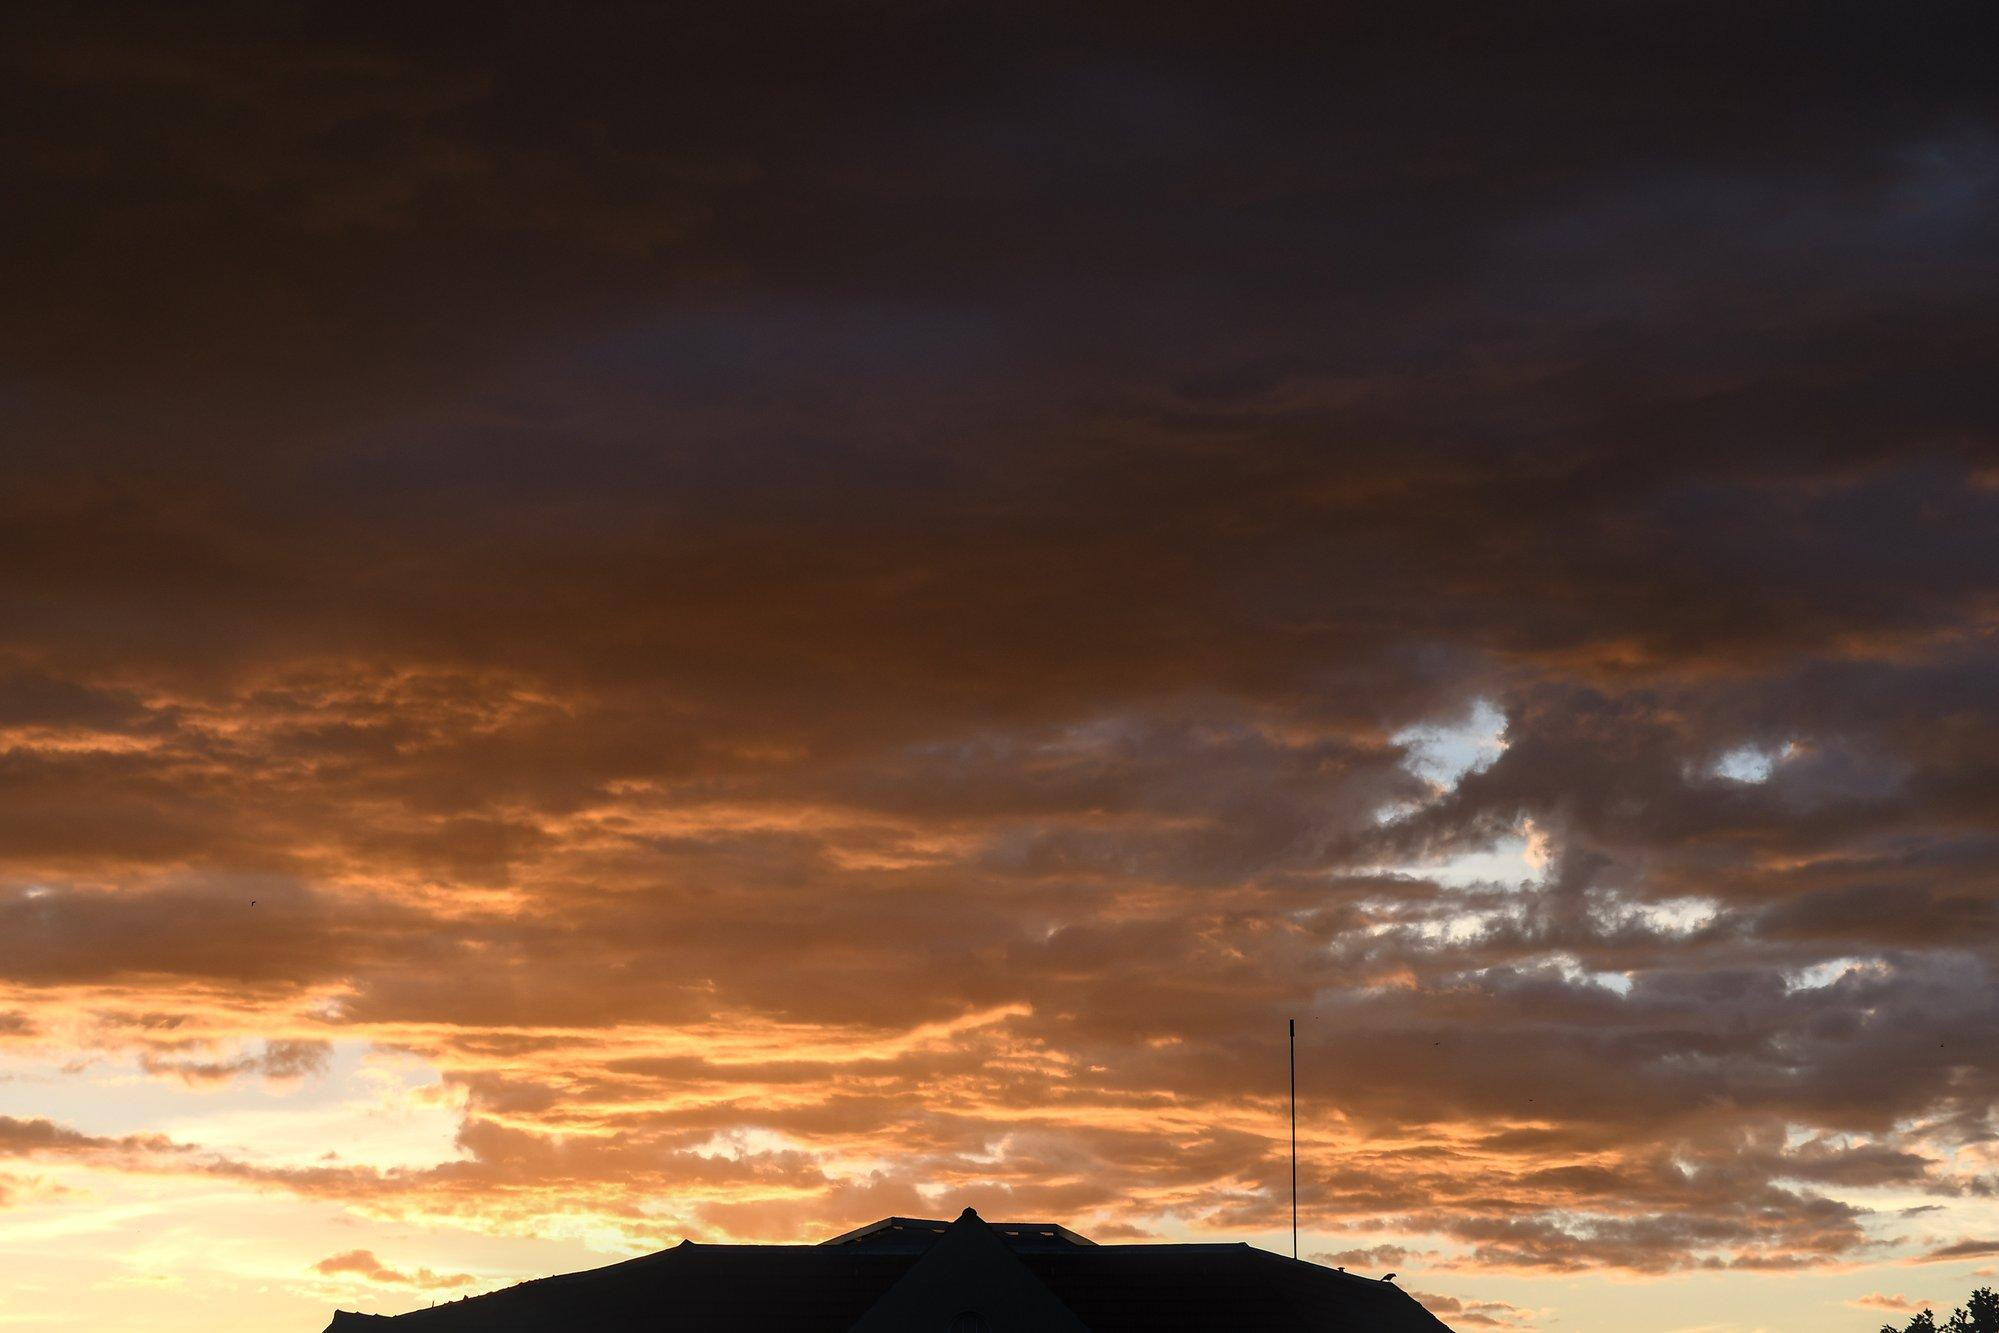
(920, 1232)
(969, 1278)
(1005, 1272)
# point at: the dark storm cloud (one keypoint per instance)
(834, 526)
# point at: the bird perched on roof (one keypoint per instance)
(1388, 1277)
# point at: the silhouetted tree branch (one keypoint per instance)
(1978, 1314)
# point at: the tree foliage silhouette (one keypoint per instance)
(1978, 1314)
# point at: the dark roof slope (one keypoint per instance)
(687, 1289)
(1113, 1288)
(828, 1288)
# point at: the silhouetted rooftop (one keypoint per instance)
(922, 1274)
(919, 1233)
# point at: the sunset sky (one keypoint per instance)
(621, 623)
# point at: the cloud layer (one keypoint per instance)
(826, 625)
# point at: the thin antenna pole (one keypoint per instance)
(1291, 1026)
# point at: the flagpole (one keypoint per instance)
(1291, 1026)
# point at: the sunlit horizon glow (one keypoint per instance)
(618, 626)
(462, 1144)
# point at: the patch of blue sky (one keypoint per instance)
(1832, 970)
(1673, 916)
(1517, 861)
(1746, 763)
(1442, 753)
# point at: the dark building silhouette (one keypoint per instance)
(911, 1275)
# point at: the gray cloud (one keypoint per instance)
(771, 539)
